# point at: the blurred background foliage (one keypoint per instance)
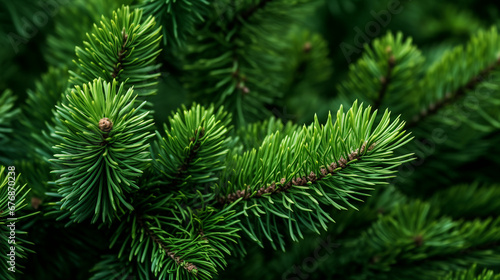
(309, 70)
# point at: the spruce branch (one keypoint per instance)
(252, 135)
(283, 185)
(178, 240)
(124, 47)
(71, 24)
(121, 55)
(37, 117)
(103, 150)
(248, 13)
(177, 17)
(298, 177)
(416, 235)
(233, 62)
(472, 273)
(194, 147)
(196, 142)
(8, 114)
(191, 268)
(12, 196)
(472, 66)
(112, 267)
(385, 74)
(451, 97)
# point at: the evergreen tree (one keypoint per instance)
(147, 139)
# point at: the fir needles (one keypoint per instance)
(103, 151)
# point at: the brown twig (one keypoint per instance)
(186, 265)
(284, 186)
(192, 154)
(121, 54)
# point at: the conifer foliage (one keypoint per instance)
(154, 143)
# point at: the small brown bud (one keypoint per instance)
(124, 35)
(392, 60)
(307, 47)
(283, 181)
(353, 155)
(323, 172)
(372, 146)
(191, 267)
(105, 124)
(363, 147)
(312, 177)
(419, 240)
(35, 202)
(423, 112)
(332, 166)
(342, 162)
